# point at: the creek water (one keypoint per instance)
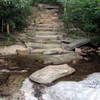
(16, 81)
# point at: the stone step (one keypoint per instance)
(46, 6)
(47, 41)
(51, 15)
(41, 46)
(46, 29)
(47, 37)
(44, 50)
(49, 22)
(49, 25)
(46, 33)
(48, 17)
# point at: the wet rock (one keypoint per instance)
(51, 73)
(3, 77)
(17, 96)
(61, 58)
(52, 56)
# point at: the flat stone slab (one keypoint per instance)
(46, 32)
(51, 73)
(53, 52)
(48, 36)
(61, 58)
(41, 45)
(49, 25)
(47, 41)
(77, 43)
(43, 51)
(52, 56)
(10, 50)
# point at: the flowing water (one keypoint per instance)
(88, 89)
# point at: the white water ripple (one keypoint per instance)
(88, 89)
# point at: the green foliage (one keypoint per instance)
(7, 40)
(48, 1)
(35, 2)
(14, 13)
(87, 16)
(83, 13)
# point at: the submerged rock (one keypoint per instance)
(51, 73)
(3, 77)
(61, 58)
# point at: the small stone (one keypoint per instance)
(98, 48)
(78, 50)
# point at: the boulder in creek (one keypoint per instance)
(51, 73)
(61, 58)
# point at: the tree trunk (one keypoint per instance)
(8, 29)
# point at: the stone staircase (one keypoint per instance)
(48, 32)
(47, 37)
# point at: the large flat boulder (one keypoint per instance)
(61, 58)
(57, 56)
(76, 43)
(10, 50)
(51, 73)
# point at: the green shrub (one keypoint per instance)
(49, 1)
(87, 17)
(14, 14)
(83, 13)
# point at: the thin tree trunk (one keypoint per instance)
(8, 29)
(2, 26)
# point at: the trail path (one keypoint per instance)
(44, 37)
(48, 31)
(47, 37)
